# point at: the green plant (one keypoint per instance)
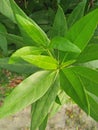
(63, 64)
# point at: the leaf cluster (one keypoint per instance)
(62, 62)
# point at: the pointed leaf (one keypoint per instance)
(3, 41)
(93, 100)
(60, 25)
(89, 53)
(81, 32)
(64, 44)
(24, 51)
(16, 9)
(22, 68)
(32, 31)
(88, 73)
(90, 81)
(45, 62)
(27, 92)
(72, 85)
(77, 13)
(41, 108)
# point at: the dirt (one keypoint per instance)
(70, 117)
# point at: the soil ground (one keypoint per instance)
(70, 117)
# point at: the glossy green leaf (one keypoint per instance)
(22, 68)
(5, 9)
(90, 86)
(32, 30)
(41, 108)
(27, 92)
(3, 41)
(64, 44)
(81, 32)
(90, 82)
(88, 73)
(89, 53)
(77, 13)
(45, 62)
(72, 85)
(28, 50)
(60, 25)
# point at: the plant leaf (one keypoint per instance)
(93, 106)
(24, 51)
(77, 13)
(22, 68)
(60, 25)
(81, 32)
(45, 62)
(56, 107)
(17, 40)
(44, 124)
(41, 108)
(72, 85)
(32, 30)
(5, 9)
(89, 53)
(17, 10)
(89, 80)
(88, 73)
(3, 41)
(64, 44)
(27, 92)
(91, 64)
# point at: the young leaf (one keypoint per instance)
(60, 25)
(45, 62)
(81, 32)
(41, 108)
(3, 41)
(77, 13)
(64, 44)
(27, 92)
(24, 51)
(89, 53)
(32, 30)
